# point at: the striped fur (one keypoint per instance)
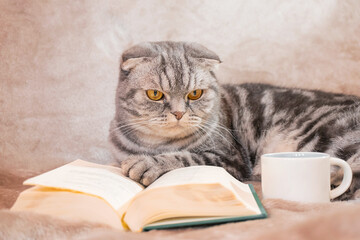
(229, 126)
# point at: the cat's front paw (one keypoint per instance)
(141, 168)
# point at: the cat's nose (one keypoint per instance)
(178, 115)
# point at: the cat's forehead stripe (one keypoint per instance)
(160, 80)
(178, 70)
(189, 72)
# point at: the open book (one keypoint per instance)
(183, 197)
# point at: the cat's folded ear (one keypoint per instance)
(137, 54)
(202, 55)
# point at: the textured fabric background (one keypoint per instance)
(59, 61)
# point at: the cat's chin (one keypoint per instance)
(174, 130)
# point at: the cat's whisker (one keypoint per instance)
(138, 122)
(194, 121)
(203, 129)
(143, 122)
(219, 125)
(158, 121)
(200, 133)
(219, 133)
(131, 129)
(126, 126)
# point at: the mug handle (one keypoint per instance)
(347, 178)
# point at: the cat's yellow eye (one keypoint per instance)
(154, 94)
(196, 94)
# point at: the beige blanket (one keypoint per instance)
(59, 65)
(287, 220)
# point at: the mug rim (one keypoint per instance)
(296, 155)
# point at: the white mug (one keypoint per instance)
(301, 176)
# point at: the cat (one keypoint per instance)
(171, 112)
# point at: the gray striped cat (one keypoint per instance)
(171, 113)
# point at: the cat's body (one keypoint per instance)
(229, 126)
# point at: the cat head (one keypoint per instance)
(167, 89)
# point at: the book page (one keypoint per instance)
(207, 175)
(105, 182)
(198, 175)
(247, 198)
(192, 175)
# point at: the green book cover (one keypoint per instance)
(192, 222)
